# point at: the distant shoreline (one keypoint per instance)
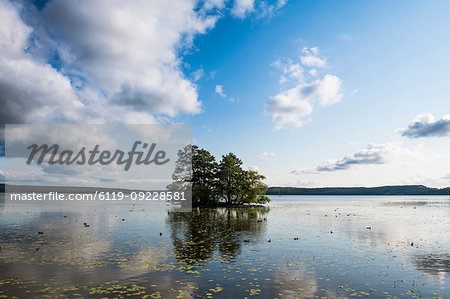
(382, 190)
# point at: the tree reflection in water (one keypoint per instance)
(199, 234)
(436, 265)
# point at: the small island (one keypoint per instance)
(218, 184)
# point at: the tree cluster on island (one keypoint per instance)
(223, 183)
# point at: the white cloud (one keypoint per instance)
(281, 3)
(117, 62)
(103, 61)
(293, 105)
(290, 70)
(211, 4)
(311, 59)
(265, 156)
(219, 90)
(30, 91)
(198, 74)
(243, 7)
(425, 125)
(134, 58)
(374, 154)
(313, 72)
(263, 8)
(313, 50)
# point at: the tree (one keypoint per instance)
(204, 177)
(213, 183)
(240, 186)
(251, 188)
(230, 175)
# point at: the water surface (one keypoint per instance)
(297, 246)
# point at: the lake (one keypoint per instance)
(297, 246)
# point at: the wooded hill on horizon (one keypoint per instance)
(382, 190)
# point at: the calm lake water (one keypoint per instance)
(297, 246)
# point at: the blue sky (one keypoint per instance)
(311, 93)
(391, 57)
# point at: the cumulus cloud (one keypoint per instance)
(104, 61)
(132, 54)
(425, 125)
(29, 90)
(219, 90)
(372, 154)
(264, 156)
(292, 106)
(97, 62)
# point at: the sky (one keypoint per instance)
(309, 93)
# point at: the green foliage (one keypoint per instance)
(215, 183)
(231, 177)
(204, 177)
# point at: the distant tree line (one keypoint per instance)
(218, 183)
(383, 190)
